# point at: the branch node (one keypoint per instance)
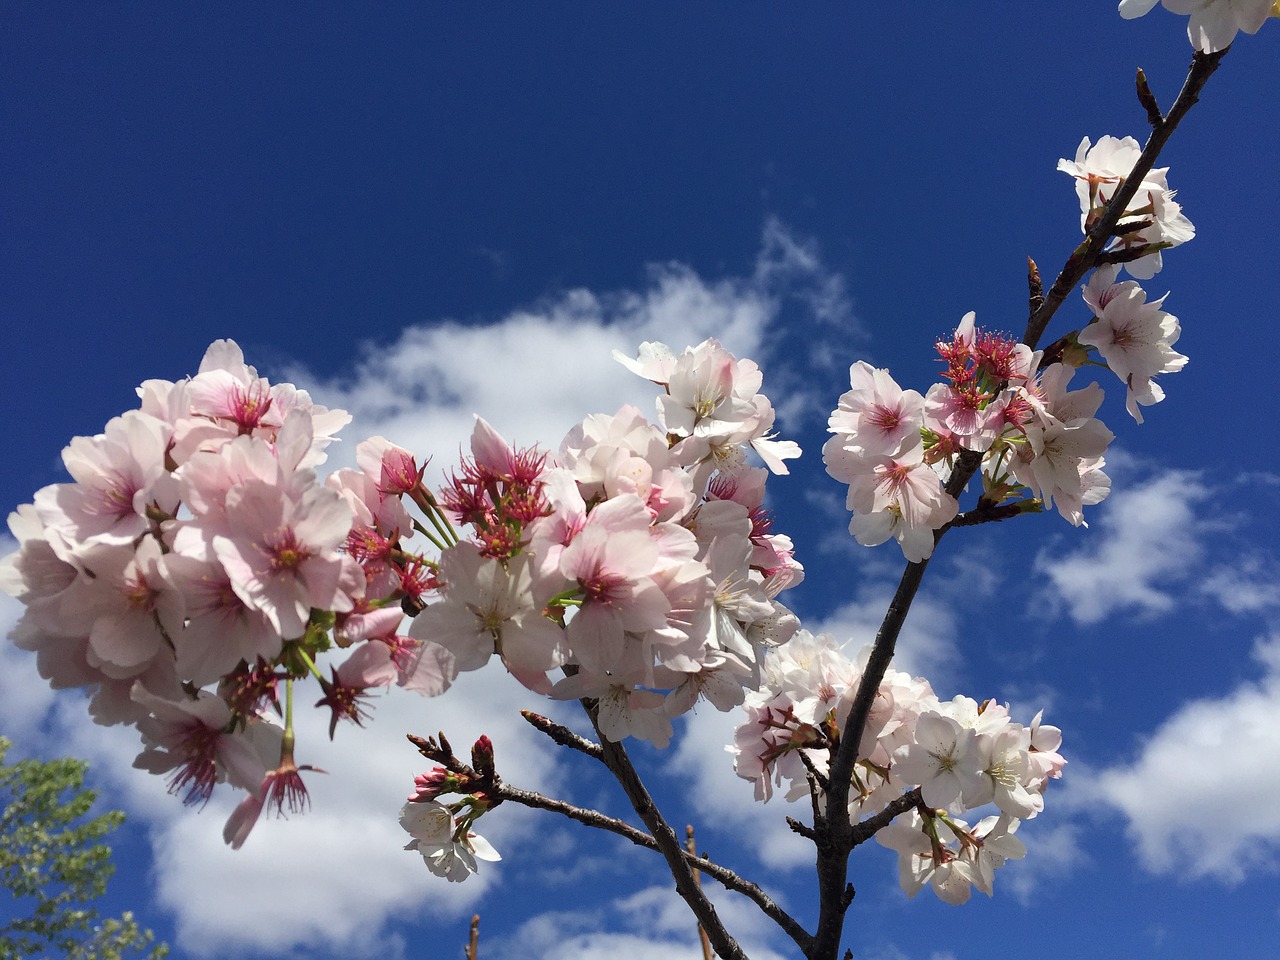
(1035, 286)
(797, 827)
(1148, 100)
(562, 734)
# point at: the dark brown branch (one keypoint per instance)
(835, 833)
(614, 757)
(803, 829)
(1085, 256)
(722, 875)
(866, 829)
(441, 752)
(836, 839)
(988, 512)
(819, 777)
(562, 734)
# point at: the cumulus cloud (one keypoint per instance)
(1056, 850)
(926, 646)
(893, 952)
(25, 698)
(353, 821)
(1199, 796)
(539, 370)
(1146, 542)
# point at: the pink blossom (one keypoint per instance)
(115, 473)
(490, 607)
(221, 627)
(1134, 337)
(369, 667)
(281, 553)
(192, 740)
(136, 612)
(875, 418)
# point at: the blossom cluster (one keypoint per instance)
(441, 832)
(1152, 220)
(950, 756)
(197, 560)
(638, 559)
(1038, 441)
(892, 446)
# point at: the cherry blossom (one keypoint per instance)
(1099, 170)
(450, 852)
(1214, 23)
(1134, 337)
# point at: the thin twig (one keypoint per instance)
(721, 874)
(864, 830)
(988, 512)
(614, 757)
(562, 734)
(691, 845)
(473, 944)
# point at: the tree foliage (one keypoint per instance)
(54, 862)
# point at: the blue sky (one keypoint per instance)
(423, 215)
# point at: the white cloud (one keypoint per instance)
(353, 821)
(890, 951)
(1200, 797)
(1244, 584)
(652, 923)
(1054, 851)
(538, 371)
(25, 698)
(926, 646)
(1147, 541)
(721, 797)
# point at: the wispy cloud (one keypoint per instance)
(1244, 583)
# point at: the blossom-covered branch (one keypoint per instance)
(1083, 259)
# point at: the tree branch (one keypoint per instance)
(867, 828)
(835, 839)
(836, 832)
(614, 757)
(722, 875)
(562, 734)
